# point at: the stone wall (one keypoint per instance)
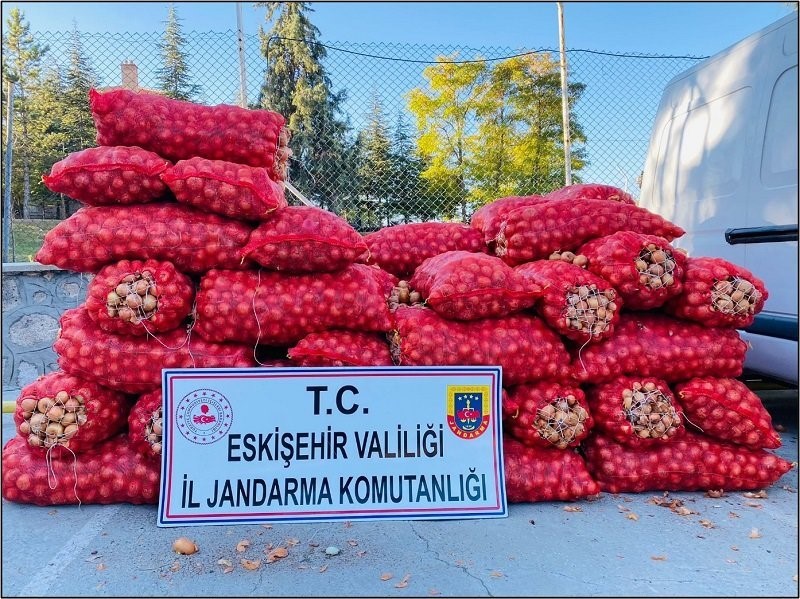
(34, 297)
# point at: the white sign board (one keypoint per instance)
(311, 444)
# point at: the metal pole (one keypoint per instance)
(564, 97)
(242, 68)
(7, 190)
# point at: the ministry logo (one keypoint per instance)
(204, 416)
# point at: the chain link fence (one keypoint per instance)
(483, 122)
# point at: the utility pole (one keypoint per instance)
(564, 98)
(7, 167)
(242, 67)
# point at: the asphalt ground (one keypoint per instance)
(619, 545)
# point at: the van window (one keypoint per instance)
(779, 158)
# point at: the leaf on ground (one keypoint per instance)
(497, 574)
(658, 558)
(754, 533)
(267, 526)
(292, 542)
(227, 565)
(175, 566)
(683, 511)
(387, 576)
(361, 553)
(734, 548)
(100, 567)
(352, 543)
(276, 554)
(404, 582)
(52, 512)
(762, 494)
(733, 515)
(323, 568)
(313, 544)
(788, 488)
(251, 564)
(242, 545)
(757, 506)
(632, 516)
(622, 508)
(435, 592)
(572, 508)
(707, 524)
(715, 494)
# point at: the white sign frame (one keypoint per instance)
(469, 462)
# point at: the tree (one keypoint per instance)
(76, 116)
(297, 86)
(489, 132)
(21, 58)
(173, 77)
(375, 165)
(445, 121)
(521, 130)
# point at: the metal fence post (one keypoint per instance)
(7, 174)
(242, 66)
(564, 97)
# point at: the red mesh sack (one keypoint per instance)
(341, 348)
(109, 175)
(137, 297)
(578, 304)
(488, 218)
(234, 190)
(645, 269)
(386, 280)
(402, 248)
(178, 130)
(134, 364)
(547, 414)
(465, 286)
(145, 423)
(192, 240)
(650, 344)
(728, 410)
(538, 474)
(61, 409)
(591, 191)
(112, 472)
(536, 231)
(301, 239)
(717, 293)
(522, 344)
(638, 411)
(691, 463)
(277, 309)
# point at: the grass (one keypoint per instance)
(27, 236)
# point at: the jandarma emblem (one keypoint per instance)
(468, 410)
(204, 416)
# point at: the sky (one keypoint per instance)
(698, 28)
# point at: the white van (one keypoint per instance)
(722, 164)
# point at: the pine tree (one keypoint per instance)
(375, 169)
(79, 78)
(173, 77)
(297, 87)
(21, 58)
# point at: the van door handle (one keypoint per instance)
(770, 234)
